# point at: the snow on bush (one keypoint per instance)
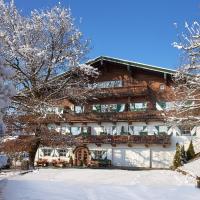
(193, 168)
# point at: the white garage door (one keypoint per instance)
(131, 157)
(162, 159)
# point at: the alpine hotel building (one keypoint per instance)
(124, 122)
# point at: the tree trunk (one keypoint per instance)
(33, 151)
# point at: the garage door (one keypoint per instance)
(162, 159)
(131, 157)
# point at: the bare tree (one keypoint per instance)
(40, 47)
(45, 50)
(187, 78)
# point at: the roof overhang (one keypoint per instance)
(132, 64)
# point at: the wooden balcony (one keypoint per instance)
(109, 139)
(130, 91)
(126, 91)
(132, 139)
(135, 116)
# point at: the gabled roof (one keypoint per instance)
(132, 64)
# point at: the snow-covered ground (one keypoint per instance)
(193, 168)
(94, 184)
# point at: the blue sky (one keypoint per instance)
(137, 30)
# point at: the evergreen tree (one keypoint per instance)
(183, 155)
(190, 152)
(177, 157)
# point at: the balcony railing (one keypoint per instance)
(110, 139)
(136, 90)
(132, 90)
(148, 115)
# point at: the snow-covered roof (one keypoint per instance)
(131, 64)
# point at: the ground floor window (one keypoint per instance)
(99, 155)
(47, 151)
(62, 152)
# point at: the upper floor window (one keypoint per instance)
(162, 129)
(47, 152)
(138, 106)
(109, 107)
(186, 131)
(65, 129)
(106, 84)
(165, 105)
(140, 130)
(75, 130)
(54, 110)
(78, 109)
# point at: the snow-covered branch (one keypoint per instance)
(45, 49)
(187, 78)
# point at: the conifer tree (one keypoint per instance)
(183, 155)
(177, 157)
(190, 152)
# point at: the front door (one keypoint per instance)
(81, 156)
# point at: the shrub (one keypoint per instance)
(177, 157)
(190, 152)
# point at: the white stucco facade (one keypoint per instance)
(151, 156)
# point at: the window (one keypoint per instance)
(54, 110)
(152, 130)
(62, 152)
(106, 84)
(86, 130)
(123, 130)
(78, 109)
(186, 131)
(138, 106)
(47, 152)
(108, 108)
(98, 130)
(165, 105)
(51, 127)
(65, 129)
(131, 130)
(114, 130)
(98, 155)
(140, 130)
(162, 130)
(96, 108)
(108, 130)
(75, 130)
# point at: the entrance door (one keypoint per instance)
(81, 156)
